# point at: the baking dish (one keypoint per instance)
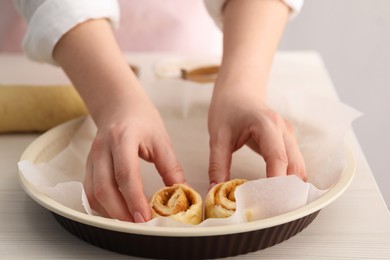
(181, 242)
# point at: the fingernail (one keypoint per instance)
(138, 218)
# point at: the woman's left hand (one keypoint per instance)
(238, 117)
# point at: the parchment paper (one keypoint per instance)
(321, 125)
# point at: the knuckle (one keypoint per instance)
(96, 148)
(274, 117)
(100, 193)
(268, 119)
(173, 174)
(115, 133)
(122, 175)
(118, 133)
(279, 157)
(175, 169)
(217, 169)
(289, 126)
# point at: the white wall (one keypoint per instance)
(353, 37)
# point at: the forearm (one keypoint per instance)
(252, 30)
(93, 61)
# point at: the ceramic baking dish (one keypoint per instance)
(173, 242)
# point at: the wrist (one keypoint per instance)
(240, 79)
(122, 101)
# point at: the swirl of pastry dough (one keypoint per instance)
(221, 201)
(178, 202)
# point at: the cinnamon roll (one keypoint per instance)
(221, 201)
(178, 202)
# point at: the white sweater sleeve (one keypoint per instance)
(49, 20)
(214, 7)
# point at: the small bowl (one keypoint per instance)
(173, 242)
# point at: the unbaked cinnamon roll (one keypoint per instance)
(178, 202)
(221, 201)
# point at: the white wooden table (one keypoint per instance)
(355, 226)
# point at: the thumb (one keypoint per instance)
(220, 161)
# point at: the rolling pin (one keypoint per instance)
(37, 108)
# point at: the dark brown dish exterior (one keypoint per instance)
(185, 247)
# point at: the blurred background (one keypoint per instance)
(353, 38)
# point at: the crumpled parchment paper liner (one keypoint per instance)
(320, 126)
(260, 199)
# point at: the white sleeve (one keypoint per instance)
(214, 7)
(49, 20)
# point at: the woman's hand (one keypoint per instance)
(113, 181)
(238, 113)
(129, 126)
(237, 118)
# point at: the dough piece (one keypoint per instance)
(220, 200)
(38, 108)
(178, 202)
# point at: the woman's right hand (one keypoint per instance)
(129, 126)
(113, 181)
